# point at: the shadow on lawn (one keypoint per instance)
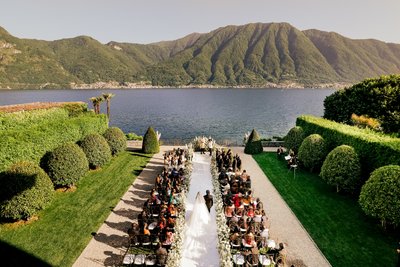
(12, 256)
(121, 226)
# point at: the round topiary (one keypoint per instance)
(150, 142)
(294, 138)
(66, 164)
(380, 195)
(342, 168)
(25, 189)
(96, 149)
(253, 145)
(312, 152)
(116, 139)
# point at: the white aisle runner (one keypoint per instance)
(202, 249)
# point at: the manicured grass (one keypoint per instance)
(64, 228)
(336, 222)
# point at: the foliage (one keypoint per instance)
(294, 138)
(97, 150)
(150, 143)
(116, 139)
(253, 145)
(328, 216)
(133, 136)
(66, 164)
(377, 98)
(64, 228)
(25, 189)
(342, 168)
(33, 141)
(365, 122)
(380, 195)
(312, 152)
(374, 149)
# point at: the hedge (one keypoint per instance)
(116, 139)
(32, 143)
(25, 189)
(375, 150)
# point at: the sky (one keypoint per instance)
(147, 21)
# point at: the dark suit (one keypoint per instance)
(209, 201)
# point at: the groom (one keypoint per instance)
(208, 198)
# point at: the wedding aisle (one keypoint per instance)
(200, 245)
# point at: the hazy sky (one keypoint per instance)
(145, 21)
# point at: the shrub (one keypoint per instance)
(342, 168)
(376, 98)
(34, 140)
(374, 149)
(116, 139)
(66, 164)
(96, 149)
(380, 195)
(253, 145)
(312, 152)
(294, 138)
(25, 189)
(150, 143)
(133, 136)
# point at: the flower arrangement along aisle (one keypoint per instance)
(174, 254)
(223, 230)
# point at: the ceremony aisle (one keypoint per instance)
(200, 248)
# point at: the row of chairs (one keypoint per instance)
(257, 260)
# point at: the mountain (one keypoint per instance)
(258, 54)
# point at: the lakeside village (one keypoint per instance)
(65, 172)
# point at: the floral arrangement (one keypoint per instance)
(224, 246)
(174, 254)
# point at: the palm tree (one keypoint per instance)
(107, 97)
(95, 102)
(99, 100)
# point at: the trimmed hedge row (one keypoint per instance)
(32, 143)
(375, 150)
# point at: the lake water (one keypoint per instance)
(181, 114)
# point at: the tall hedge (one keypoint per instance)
(375, 150)
(294, 138)
(31, 143)
(66, 164)
(342, 169)
(377, 98)
(96, 149)
(150, 143)
(116, 139)
(253, 145)
(24, 190)
(312, 152)
(380, 195)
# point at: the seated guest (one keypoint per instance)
(229, 212)
(279, 152)
(146, 230)
(235, 238)
(248, 240)
(161, 255)
(169, 239)
(250, 212)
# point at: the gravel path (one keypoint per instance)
(108, 246)
(284, 225)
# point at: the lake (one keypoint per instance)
(181, 114)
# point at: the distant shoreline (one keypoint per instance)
(134, 86)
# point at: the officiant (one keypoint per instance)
(208, 198)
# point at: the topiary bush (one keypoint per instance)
(294, 138)
(96, 149)
(150, 143)
(342, 169)
(380, 195)
(66, 164)
(312, 152)
(253, 145)
(24, 190)
(116, 139)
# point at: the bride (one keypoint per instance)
(197, 232)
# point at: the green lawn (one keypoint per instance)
(335, 222)
(64, 228)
